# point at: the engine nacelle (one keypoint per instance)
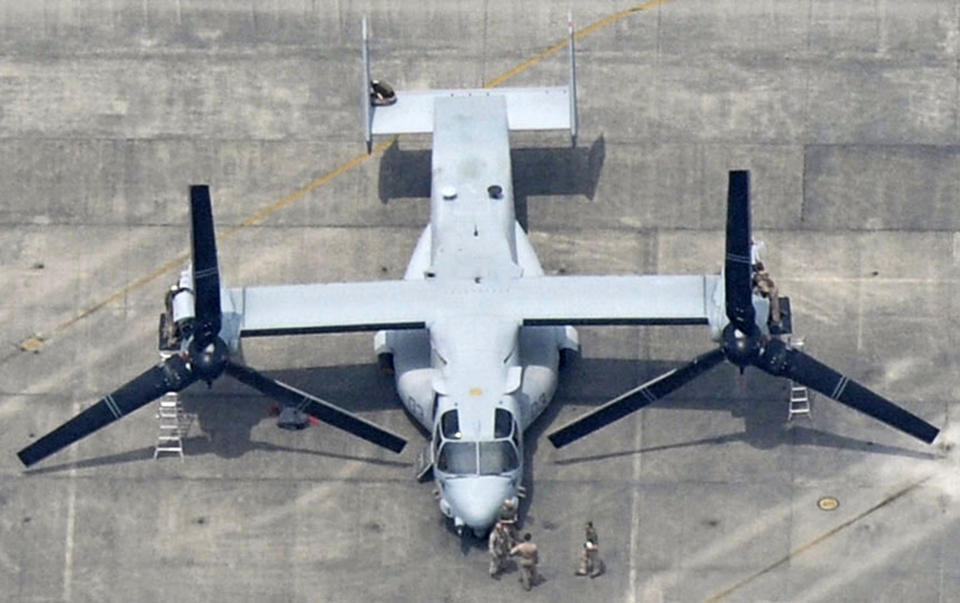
(184, 299)
(717, 313)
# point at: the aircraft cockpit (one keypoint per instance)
(460, 457)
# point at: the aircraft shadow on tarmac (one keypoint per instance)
(536, 171)
(760, 399)
(226, 414)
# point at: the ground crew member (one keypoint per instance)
(381, 94)
(590, 562)
(169, 335)
(508, 517)
(527, 550)
(765, 286)
(499, 549)
(590, 533)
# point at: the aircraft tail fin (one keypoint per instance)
(411, 112)
(365, 86)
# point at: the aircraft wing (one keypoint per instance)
(332, 307)
(414, 304)
(611, 300)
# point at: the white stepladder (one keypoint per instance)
(799, 394)
(173, 423)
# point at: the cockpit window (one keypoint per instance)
(458, 457)
(450, 425)
(497, 457)
(502, 420)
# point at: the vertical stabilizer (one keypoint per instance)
(365, 89)
(573, 84)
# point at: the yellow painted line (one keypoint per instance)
(172, 264)
(35, 342)
(32, 344)
(806, 547)
(586, 31)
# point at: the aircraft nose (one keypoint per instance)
(476, 500)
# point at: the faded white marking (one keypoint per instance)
(634, 513)
(71, 519)
(855, 567)
(905, 536)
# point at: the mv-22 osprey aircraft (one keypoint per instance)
(475, 330)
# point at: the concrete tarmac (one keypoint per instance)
(845, 112)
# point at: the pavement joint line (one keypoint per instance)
(819, 539)
(33, 340)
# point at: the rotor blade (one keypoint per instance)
(737, 273)
(206, 273)
(315, 407)
(634, 399)
(171, 375)
(814, 374)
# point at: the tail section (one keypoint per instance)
(548, 108)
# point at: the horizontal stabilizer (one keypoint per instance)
(527, 109)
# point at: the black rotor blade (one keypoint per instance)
(172, 375)
(206, 272)
(634, 399)
(317, 408)
(737, 273)
(808, 371)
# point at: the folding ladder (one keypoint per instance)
(173, 423)
(799, 394)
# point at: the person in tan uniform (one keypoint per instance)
(527, 550)
(508, 517)
(765, 286)
(590, 562)
(499, 547)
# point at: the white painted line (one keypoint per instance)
(71, 518)
(634, 512)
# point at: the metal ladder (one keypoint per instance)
(799, 394)
(173, 422)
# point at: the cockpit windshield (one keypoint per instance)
(458, 457)
(498, 457)
(493, 457)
